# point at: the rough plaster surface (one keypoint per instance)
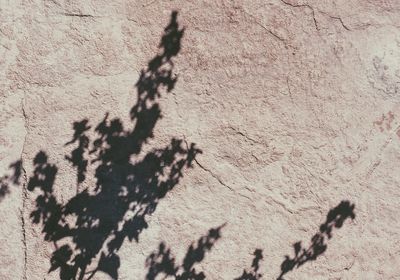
(293, 104)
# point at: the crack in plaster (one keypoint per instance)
(24, 191)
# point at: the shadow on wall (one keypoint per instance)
(253, 273)
(7, 180)
(334, 219)
(89, 229)
(162, 264)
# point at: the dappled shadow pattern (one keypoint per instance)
(334, 219)
(163, 264)
(253, 273)
(12, 179)
(90, 228)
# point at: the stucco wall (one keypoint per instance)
(191, 139)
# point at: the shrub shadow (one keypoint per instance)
(89, 229)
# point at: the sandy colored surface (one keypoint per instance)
(237, 140)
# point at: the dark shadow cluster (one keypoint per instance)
(90, 228)
(162, 263)
(12, 179)
(334, 219)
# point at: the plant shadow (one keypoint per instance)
(162, 264)
(335, 219)
(253, 273)
(11, 179)
(90, 228)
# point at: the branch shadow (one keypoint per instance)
(162, 264)
(88, 230)
(335, 219)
